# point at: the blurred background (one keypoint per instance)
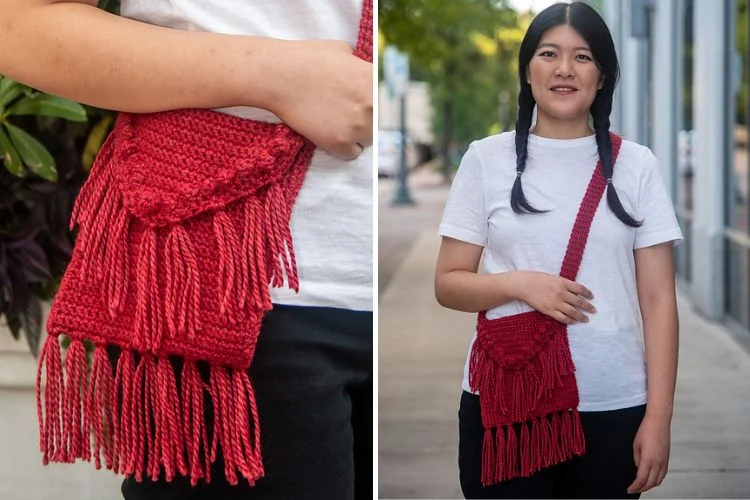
(685, 77)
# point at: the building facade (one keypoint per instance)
(685, 82)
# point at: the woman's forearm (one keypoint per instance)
(661, 335)
(471, 292)
(80, 52)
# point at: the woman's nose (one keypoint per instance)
(564, 68)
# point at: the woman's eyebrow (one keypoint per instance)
(555, 46)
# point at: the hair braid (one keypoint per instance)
(518, 201)
(600, 111)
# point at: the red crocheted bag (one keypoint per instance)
(183, 225)
(523, 371)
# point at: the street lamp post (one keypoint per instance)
(402, 196)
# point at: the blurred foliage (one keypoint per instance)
(741, 48)
(467, 51)
(47, 146)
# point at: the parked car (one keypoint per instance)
(389, 153)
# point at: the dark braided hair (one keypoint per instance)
(592, 28)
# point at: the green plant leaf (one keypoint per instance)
(9, 97)
(11, 158)
(31, 321)
(14, 323)
(10, 89)
(95, 140)
(49, 105)
(5, 85)
(33, 153)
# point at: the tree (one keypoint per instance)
(463, 48)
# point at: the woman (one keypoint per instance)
(559, 399)
(244, 137)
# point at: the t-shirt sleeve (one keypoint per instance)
(464, 216)
(655, 207)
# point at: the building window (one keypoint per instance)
(737, 179)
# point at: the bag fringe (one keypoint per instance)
(136, 422)
(543, 442)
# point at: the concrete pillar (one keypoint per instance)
(710, 105)
(665, 88)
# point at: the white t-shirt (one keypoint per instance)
(608, 352)
(332, 217)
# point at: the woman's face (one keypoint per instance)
(563, 76)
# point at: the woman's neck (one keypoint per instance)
(561, 130)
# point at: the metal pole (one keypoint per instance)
(402, 196)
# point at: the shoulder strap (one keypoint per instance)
(579, 235)
(364, 47)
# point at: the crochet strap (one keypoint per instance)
(580, 234)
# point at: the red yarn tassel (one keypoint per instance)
(511, 453)
(254, 292)
(488, 458)
(246, 451)
(500, 468)
(284, 245)
(566, 437)
(50, 413)
(152, 426)
(222, 405)
(94, 189)
(136, 460)
(579, 442)
(194, 428)
(254, 453)
(536, 446)
(260, 259)
(115, 265)
(75, 389)
(274, 240)
(99, 400)
(525, 450)
(98, 233)
(547, 452)
(124, 420)
(183, 285)
(229, 265)
(148, 317)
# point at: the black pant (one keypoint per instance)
(604, 471)
(312, 375)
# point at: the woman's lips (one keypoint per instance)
(563, 91)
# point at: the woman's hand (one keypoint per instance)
(326, 95)
(651, 454)
(555, 296)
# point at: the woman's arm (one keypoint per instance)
(459, 286)
(74, 50)
(656, 294)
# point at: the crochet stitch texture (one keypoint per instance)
(183, 227)
(523, 370)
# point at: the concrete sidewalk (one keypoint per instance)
(422, 349)
(22, 475)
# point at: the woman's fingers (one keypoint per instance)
(574, 314)
(578, 289)
(579, 302)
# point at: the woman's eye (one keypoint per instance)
(584, 57)
(547, 53)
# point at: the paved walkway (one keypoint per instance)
(422, 350)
